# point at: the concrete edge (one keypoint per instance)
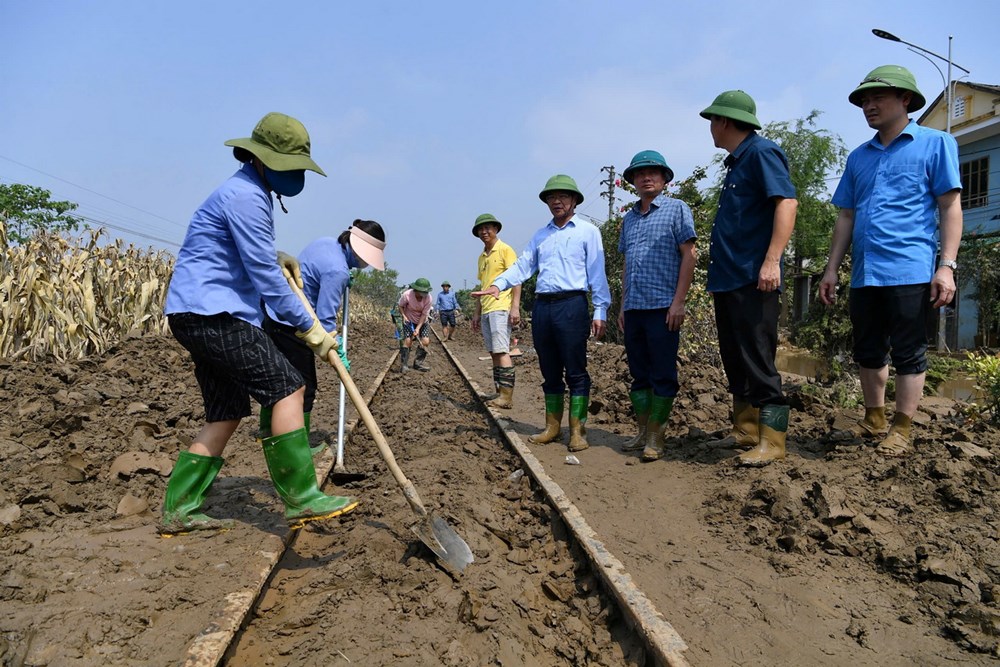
(664, 642)
(210, 646)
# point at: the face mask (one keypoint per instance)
(286, 183)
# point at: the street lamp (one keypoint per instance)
(949, 110)
(920, 51)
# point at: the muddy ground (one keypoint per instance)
(835, 556)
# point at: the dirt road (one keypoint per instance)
(834, 556)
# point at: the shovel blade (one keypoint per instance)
(446, 544)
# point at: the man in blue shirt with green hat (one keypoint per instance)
(753, 224)
(568, 255)
(891, 189)
(657, 241)
(446, 305)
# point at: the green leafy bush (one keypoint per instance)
(985, 368)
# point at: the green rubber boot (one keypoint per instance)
(318, 449)
(294, 477)
(553, 420)
(641, 401)
(659, 414)
(190, 480)
(578, 423)
(264, 427)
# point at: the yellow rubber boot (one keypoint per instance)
(553, 420)
(773, 426)
(745, 432)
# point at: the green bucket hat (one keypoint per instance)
(645, 159)
(446, 284)
(561, 183)
(890, 76)
(421, 285)
(733, 104)
(483, 219)
(281, 143)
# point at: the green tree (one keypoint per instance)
(29, 209)
(379, 287)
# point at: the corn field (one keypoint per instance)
(69, 297)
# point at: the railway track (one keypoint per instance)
(544, 589)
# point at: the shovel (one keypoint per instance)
(432, 530)
(340, 474)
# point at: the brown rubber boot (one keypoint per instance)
(744, 432)
(898, 441)
(773, 427)
(577, 423)
(505, 400)
(641, 400)
(659, 414)
(873, 426)
(553, 420)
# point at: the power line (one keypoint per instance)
(160, 217)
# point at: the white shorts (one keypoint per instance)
(496, 331)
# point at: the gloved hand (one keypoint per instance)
(353, 274)
(290, 267)
(343, 358)
(319, 340)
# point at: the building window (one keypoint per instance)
(975, 182)
(960, 107)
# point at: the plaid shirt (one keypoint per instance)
(651, 245)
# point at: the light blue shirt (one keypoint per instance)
(567, 258)
(651, 244)
(326, 269)
(893, 191)
(446, 301)
(228, 263)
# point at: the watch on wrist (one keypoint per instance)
(950, 263)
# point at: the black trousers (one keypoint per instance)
(298, 354)
(747, 320)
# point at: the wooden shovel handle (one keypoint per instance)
(409, 491)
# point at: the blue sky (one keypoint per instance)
(426, 114)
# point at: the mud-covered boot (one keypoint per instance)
(640, 404)
(578, 423)
(553, 420)
(404, 359)
(744, 432)
(505, 380)
(294, 477)
(874, 425)
(496, 386)
(771, 447)
(190, 480)
(659, 414)
(418, 359)
(898, 441)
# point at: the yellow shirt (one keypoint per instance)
(491, 265)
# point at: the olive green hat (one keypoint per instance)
(734, 104)
(645, 159)
(890, 76)
(281, 143)
(561, 183)
(482, 220)
(421, 285)
(446, 284)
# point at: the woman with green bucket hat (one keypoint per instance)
(415, 307)
(226, 269)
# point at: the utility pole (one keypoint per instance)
(610, 194)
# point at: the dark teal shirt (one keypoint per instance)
(756, 172)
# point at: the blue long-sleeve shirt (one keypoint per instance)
(325, 266)
(567, 258)
(446, 301)
(228, 263)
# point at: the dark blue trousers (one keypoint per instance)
(652, 351)
(560, 330)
